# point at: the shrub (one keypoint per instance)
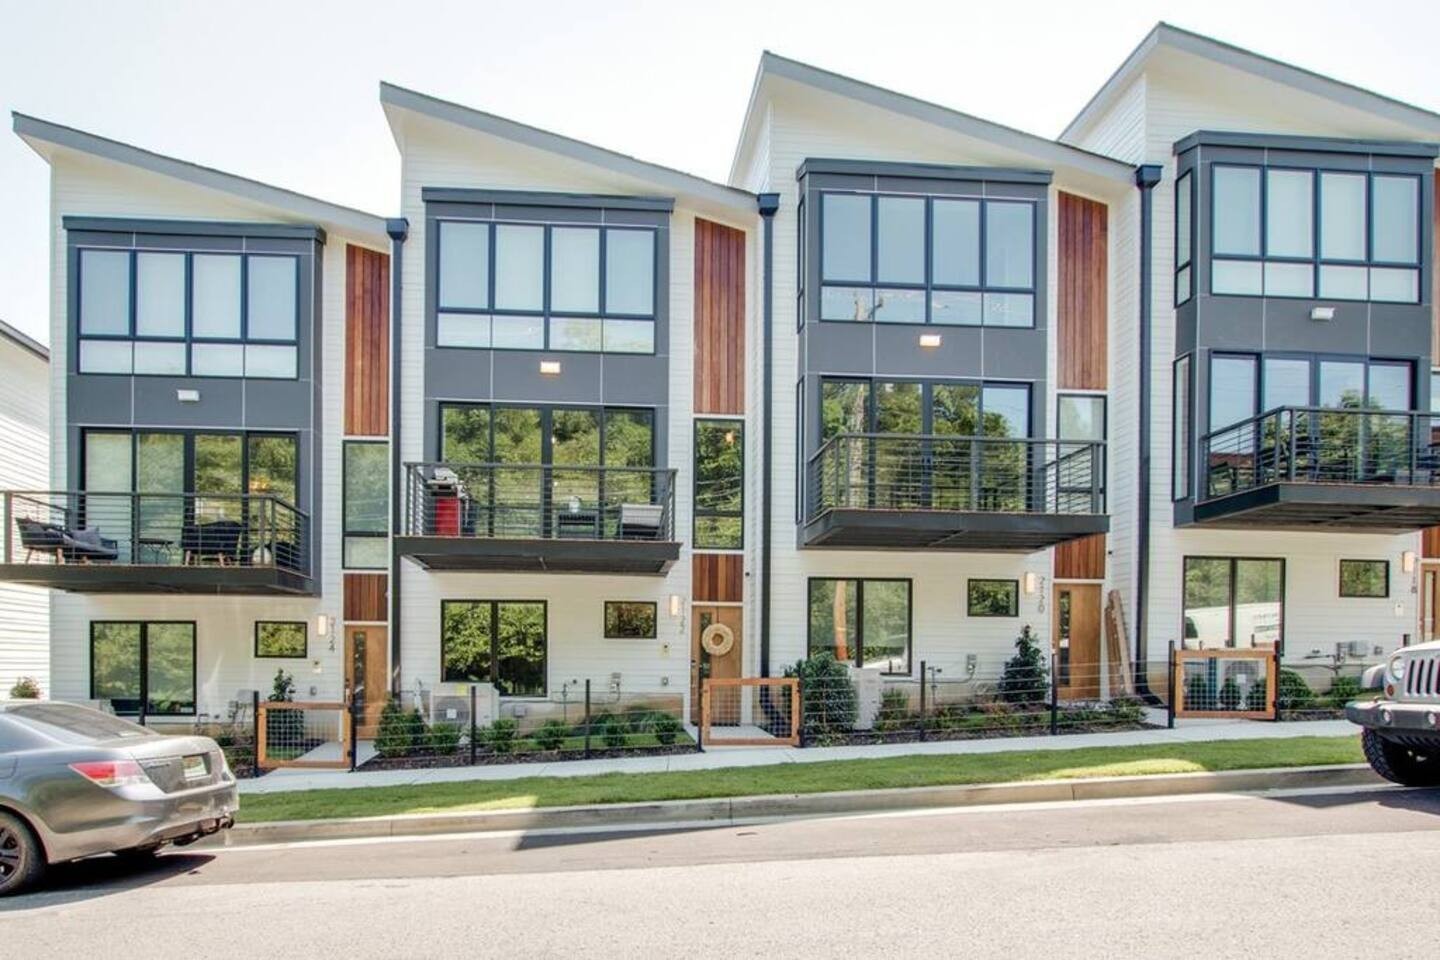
(614, 732)
(500, 735)
(1230, 694)
(1343, 690)
(1025, 679)
(26, 688)
(393, 739)
(640, 719)
(667, 728)
(894, 709)
(284, 729)
(1199, 693)
(551, 734)
(445, 738)
(827, 695)
(1293, 693)
(1126, 710)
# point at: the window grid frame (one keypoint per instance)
(1234, 562)
(304, 626)
(346, 533)
(144, 697)
(696, 511)
(860, 582)
(494, 606)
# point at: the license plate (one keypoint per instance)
(195, 768)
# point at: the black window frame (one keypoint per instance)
(144, 665)
(1315, 360)
(1060, 397)
(1234, 561)
(1013, 610)
(304, 634)
(1185, 187)
(929, 286)
(347, 534)
(547, 411)
(189, 434)
(188, 337)
(1182, 427)
(1340, 583)
(698, 512)
(654, 619)
(927, 386)
(545, 314)
(860, 618)
(494, 680)
(1316, 260)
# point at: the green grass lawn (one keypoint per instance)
(917, 771)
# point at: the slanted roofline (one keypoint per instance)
(33, 130)
(1047, 152)
(1268, 68)
(24, 341)
(670, 179)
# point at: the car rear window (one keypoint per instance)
(71, 724)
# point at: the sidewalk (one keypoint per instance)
(1186, 731)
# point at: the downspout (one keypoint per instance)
(1146, 177)
(767, 203)
(398, 229)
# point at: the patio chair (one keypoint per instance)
(38, 537)
(220, 541)
(85, 545)
(640, 521)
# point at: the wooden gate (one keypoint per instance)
(312, 736)
(750, 711)
(1225, 684)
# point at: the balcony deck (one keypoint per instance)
(87, 542)
(1310, 468)
(529, 518)
(978, 494)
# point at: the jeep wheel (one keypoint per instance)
(1399, 763)
(21, 859)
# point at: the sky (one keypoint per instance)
(287, 92)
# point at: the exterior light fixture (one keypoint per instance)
(322, 625)
(929, 340)
(187, 396)
(1407, 561)
(1322, 313)
(674, 604)
(550, 368)
(1029, 582)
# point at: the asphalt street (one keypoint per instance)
(1325, 874)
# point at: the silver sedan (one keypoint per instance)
(75, 782)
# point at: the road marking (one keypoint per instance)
(682, 825)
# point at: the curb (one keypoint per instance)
(731, 810)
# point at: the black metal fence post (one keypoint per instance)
(474, 729)
(354, 722)
(1170, 698)
(587, 719)
(922, 699)
(1054, 693)
(800, 686)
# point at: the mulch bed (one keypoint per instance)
(461, 758)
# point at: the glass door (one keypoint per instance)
(108, 468)
(629, 442)
(954, 412)
(518, 495)
(575, 492)
(160, 483)
(1005, 413)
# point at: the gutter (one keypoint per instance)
(768, 204)
(398, 229)
(1146, 177)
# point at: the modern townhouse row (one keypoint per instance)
(908, 382)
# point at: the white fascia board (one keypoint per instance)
(40, 135)
(665, 178)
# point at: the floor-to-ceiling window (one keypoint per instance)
(143, 666)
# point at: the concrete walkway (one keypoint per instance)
(1186, 731)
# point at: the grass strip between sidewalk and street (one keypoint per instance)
(788, 778)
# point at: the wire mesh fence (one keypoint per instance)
(750, 711)
(295, 734)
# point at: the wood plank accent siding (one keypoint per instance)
(367, 342)
(719, 318)
(1084, 294)
(1082, 559)
(1430, 543)
(367, 598)
(717, 578)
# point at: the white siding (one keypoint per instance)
(24, 465)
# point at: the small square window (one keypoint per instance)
(1365, 578)
(993, 598)
(630, 620)
(280, 639)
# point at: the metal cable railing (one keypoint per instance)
(1321, 445)
(956, 473)
(539, 501)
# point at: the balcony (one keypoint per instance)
(991, 494)
(539, 518)
(1311, 468)
(156, 543)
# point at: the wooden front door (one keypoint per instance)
(1076, 636)
(1429, 602)
(723, 712)
(366, 676)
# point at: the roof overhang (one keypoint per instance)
(645, 175)
(1164, 41)
(47, 139)
(24, 341)
(1025, 149)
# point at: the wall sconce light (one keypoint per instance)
(550, 368)
(187, 396)
(1322, 313)
(674, 604)
(929, 340)
(1407, 561)
(1029, 581)
(322, 625)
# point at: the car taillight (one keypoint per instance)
(111, 773)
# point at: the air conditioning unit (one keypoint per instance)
(450, 703)
(869, 683)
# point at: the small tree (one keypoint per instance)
(26, 688)
(393, 738)
(284, 729)
(828, 704)
(1026, 676)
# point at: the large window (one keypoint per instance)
(525, 286)
(907, 259)
(948, 408)
(1244, 385)
(495, 641)
(367, 505)
(1335, 235)
(719, 484)
(1234, 602)
(861, 622)
(188, 314)
(143, 667)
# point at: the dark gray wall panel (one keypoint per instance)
(222, 402)
(104, 400)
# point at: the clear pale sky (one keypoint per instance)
(286, 92)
